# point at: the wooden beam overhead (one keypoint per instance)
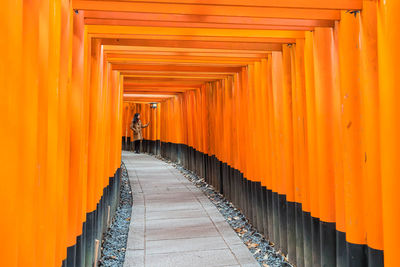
(313, 4)
(146, 87)
(156, 89)
(183, 55)
(107, 29)
(142, 101)
(160, 80)
(244, 40)
(146, 99)
(115, 57)
(175, 75)
(209, 9)
(183, 64)
(174, 49)
(174, 67)
(130, 73)
(205, 19)
(194, 25)
(180, 45)
(192, 61)
(148, 94)
(179, 84)
(171, 93)
(172, 76)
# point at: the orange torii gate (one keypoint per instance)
(289, 107)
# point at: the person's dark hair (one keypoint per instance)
(135, 118)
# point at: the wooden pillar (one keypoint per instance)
(300, 133)
(288, 175)
(310, 181)
(326, 110)
(11, 46)
(63, 158)
(389, 96)
(279, 217)
(28, 106)
(371, 144)
(76, 109)
(353, 153)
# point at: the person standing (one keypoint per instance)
(136, 127)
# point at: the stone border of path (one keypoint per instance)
(149, 244)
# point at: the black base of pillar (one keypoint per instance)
(82, 253)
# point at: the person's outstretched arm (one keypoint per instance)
(144, 126)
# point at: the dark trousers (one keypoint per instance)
(137, 146)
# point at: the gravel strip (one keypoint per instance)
(115, 239)
(258, 245)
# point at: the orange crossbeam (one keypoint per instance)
(314, 4)
(182, 44)
(187, 18)
(194, 25)
(130, 30)
(247, 39)
(214, 10)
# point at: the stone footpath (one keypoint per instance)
(174, 224)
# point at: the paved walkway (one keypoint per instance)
(174, 223)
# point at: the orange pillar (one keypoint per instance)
(114, 126)
(300, 124)
(327, 106)
(264, 130)
(389, 95)
(370, 121)
(311, 206)
(28, 140)
(107, 123)
(288, 176)
(64, 77)
(10, 66)
(244, 119)
(341, 253)
(48, 131)
(124, 125)
(271, 148)
(277, 92)
(119, 107)
(76, 107)
(353, 154)
(95, 145)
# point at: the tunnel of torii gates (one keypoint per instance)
(290, 108)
